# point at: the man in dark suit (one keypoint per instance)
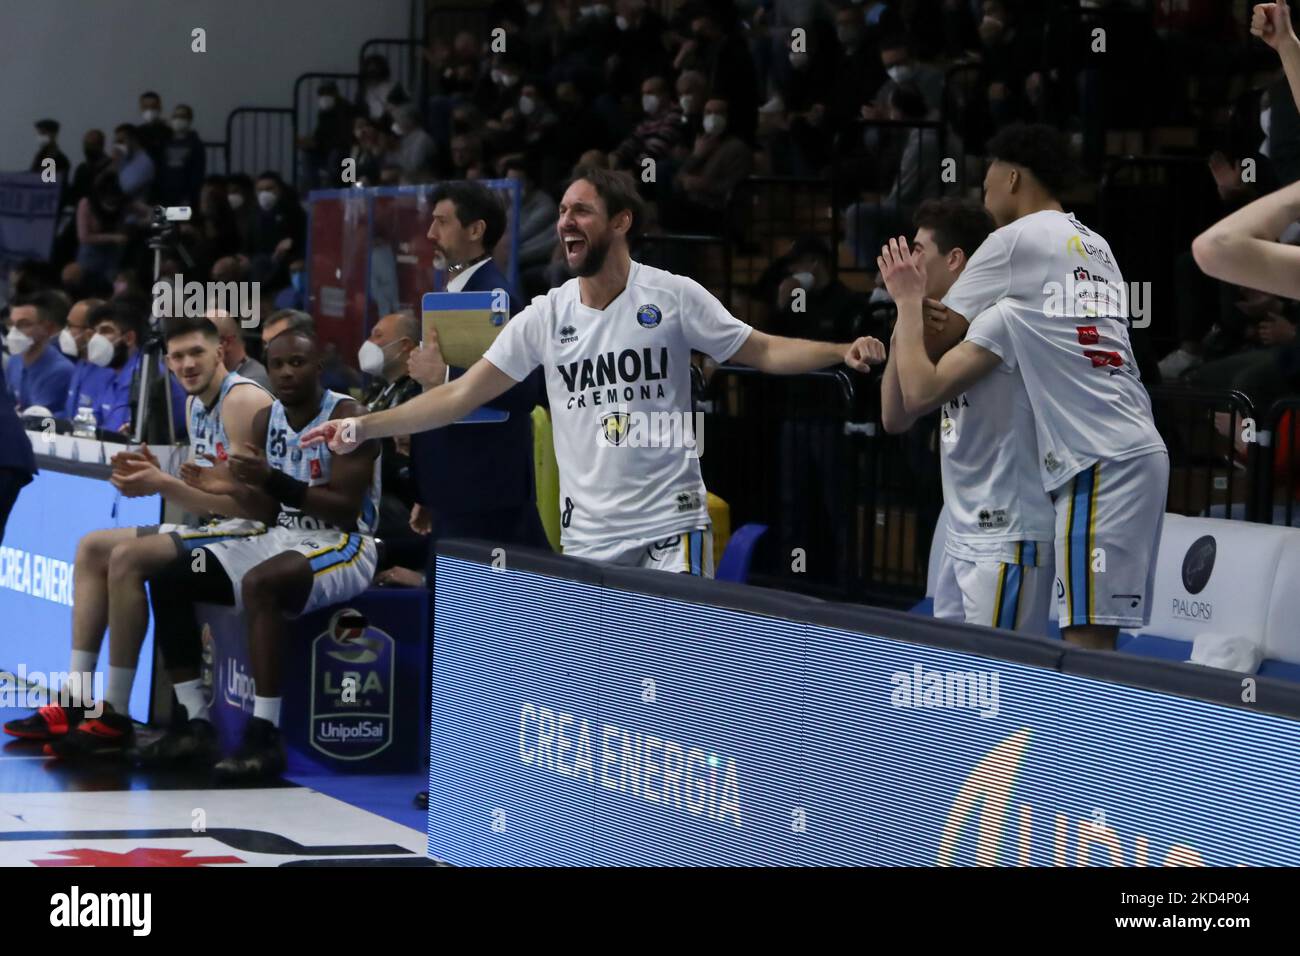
(17, 463)
(475, 479)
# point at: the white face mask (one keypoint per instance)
(18, 341)
(1266, 120)
(687, 101)
(899, 73)
(68, 343)
(620, 21)
(235, 199)
(180, 125)
(649, 103)
(397, 131)
(266, 199)
(714, 123)
(42, 140)
(526, 105)
(99, 350)
(149, 115)
(509, 79)
(805, 279)
(371, 358)
(533, 8)
(798, 59)
(325, 103)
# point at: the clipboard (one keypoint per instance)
(465, 324)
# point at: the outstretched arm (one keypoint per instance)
(434, 409)
(1243, 248)
(778, 355)
(1271, 22)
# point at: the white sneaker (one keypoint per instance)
(1173, 365)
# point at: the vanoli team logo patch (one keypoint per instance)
(649, 316)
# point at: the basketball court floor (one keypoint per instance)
(108, 814)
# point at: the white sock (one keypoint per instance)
(120, 680)
(79, 688)
(190, 694)
(268, 708)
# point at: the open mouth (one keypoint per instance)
(574, 245)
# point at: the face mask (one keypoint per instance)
(42, 141)
(149, 115)
(650, 103)
(533, 9)
(99, 350)
(805, 279)
(68, 343)
(899, 73)
(1266, 120)
(687, 101)
(266, 199)
(325, 103)
(495, 76)
(235, 199)
(180, 124)
(714, 123)
(18, 342)
(508, 80)
(585, 11)
(798, 59)
(620, 21)
(120, 149)
(371, 358)
(397, 131)
(527, 105)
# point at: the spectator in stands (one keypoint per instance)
(235, 354)
(498, 90)
(1011, 56)
(692, 92)
(324, 148)
(466, 155)
(134, 168)
(215, 231)
(294, 295)
(537, 212)
(538, 124)
(243, 204)
(31, 275)
(95, 161)
(38, 372)
(414, 151)
(870, 222)
(718, 163)
(638, 50)
(47, 147)
(100, 228)
(286, 320)
(655, 136)
(379, 92)
(582, 131)
(384, 357)
(90, 361)
(811, 304)
(858, 71)
(367, 151)
(901, 67)
(281, 229)
(180, 174)
(717, 47)
(152, 131)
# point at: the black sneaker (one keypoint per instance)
(260, 756)
(107, 735)
(46, 724)
(192, 744)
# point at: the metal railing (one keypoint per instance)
(260, 138)
(706, 259)
(406, 64)
(1280, 464)
(1213, 455)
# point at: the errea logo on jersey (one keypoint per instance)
(568, 334)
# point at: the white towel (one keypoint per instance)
(1229, 652)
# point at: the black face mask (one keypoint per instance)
(93, 154)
